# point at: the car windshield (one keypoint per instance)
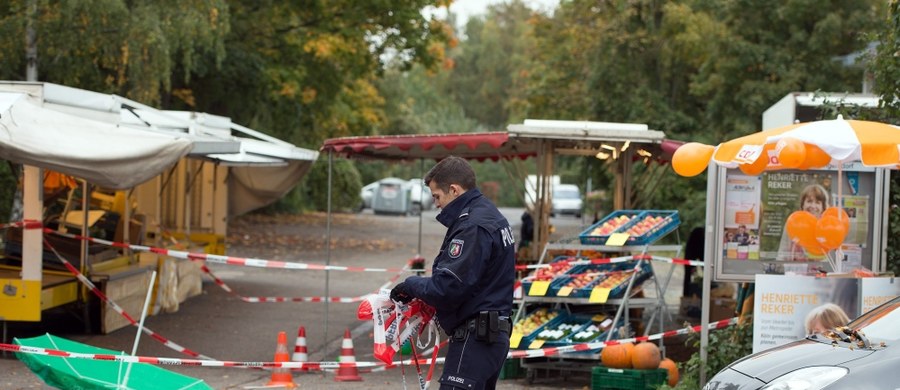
(880, 324)
(566, 194)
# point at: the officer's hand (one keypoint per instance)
(400, 293)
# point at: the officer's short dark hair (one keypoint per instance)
(451, 170)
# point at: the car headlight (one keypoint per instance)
(809, 378)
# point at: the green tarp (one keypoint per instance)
(73, 373)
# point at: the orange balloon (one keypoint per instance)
(791, 152)
(815, 157)
(801, 226)
(756, 167)
(840, 214)
(813, 248)
(691, 158)
(830, 232)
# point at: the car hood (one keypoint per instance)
(775, 362)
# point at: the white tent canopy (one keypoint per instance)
(263, 168)
(102, 153)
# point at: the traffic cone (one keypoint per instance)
(347, 371)
(300, 354)
(282, 376)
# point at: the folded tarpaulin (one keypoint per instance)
(102, 153)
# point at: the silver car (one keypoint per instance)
(865, 354)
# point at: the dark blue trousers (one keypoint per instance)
(472, 364)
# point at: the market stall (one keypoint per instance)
(795, 204)
(618, 145)
(133, 174)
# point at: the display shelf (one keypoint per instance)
(621, 305)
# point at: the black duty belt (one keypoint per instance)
(470, 327)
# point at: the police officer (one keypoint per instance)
(471, 286)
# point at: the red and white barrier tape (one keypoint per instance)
(610, 260)
(211, 258)
(229, 290)
(84, 280)
(334, 365)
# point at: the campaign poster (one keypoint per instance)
(784, 193)
(782, 303)
(875, 291)
(741, 236)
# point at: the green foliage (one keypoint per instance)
(345, 187)
(8, 185)
(886, 70)
(725, 346)
(131, 48)
(306, 71)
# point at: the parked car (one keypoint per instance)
(863, 355)
(566, 200)
(419, 195)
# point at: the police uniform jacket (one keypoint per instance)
(475, 268)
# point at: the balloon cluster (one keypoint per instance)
(818, 235)
(692, 158)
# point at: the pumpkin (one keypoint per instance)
(669, 365)
(617, 356)
(645, 356)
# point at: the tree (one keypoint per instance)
(131, 48)
(308, 70)
(886, 68)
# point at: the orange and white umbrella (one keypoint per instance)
(798, 146)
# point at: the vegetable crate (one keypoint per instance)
(558, 268)
(628, 379)
(642, 226)
(616, 279)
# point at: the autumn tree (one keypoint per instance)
(132, 48)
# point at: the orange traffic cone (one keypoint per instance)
(347, 371)
(282, 376)
(300, 354)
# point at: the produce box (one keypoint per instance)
(557, 332)
(611, 276)
(618, 378)
(642, 226)
(527, 328)
(595, 329)
(557, 268)
(598, 233)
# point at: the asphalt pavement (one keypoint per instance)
(220, 325)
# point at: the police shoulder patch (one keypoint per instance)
(456, 247)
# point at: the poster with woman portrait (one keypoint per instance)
(755, 210)
(784, 193)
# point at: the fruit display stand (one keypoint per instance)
(580, 290)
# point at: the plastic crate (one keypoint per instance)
(528, 338)
(579, 322)
(616, 291)
(617, 378)
(599, 336)
(588, 237)
(669, 222)
(526, 285)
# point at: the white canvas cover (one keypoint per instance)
(102, 153)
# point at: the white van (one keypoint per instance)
(566, 200)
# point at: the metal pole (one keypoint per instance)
(712, 218)
(328, 243)
(137, 336)
(31, 43)
(421, 205)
